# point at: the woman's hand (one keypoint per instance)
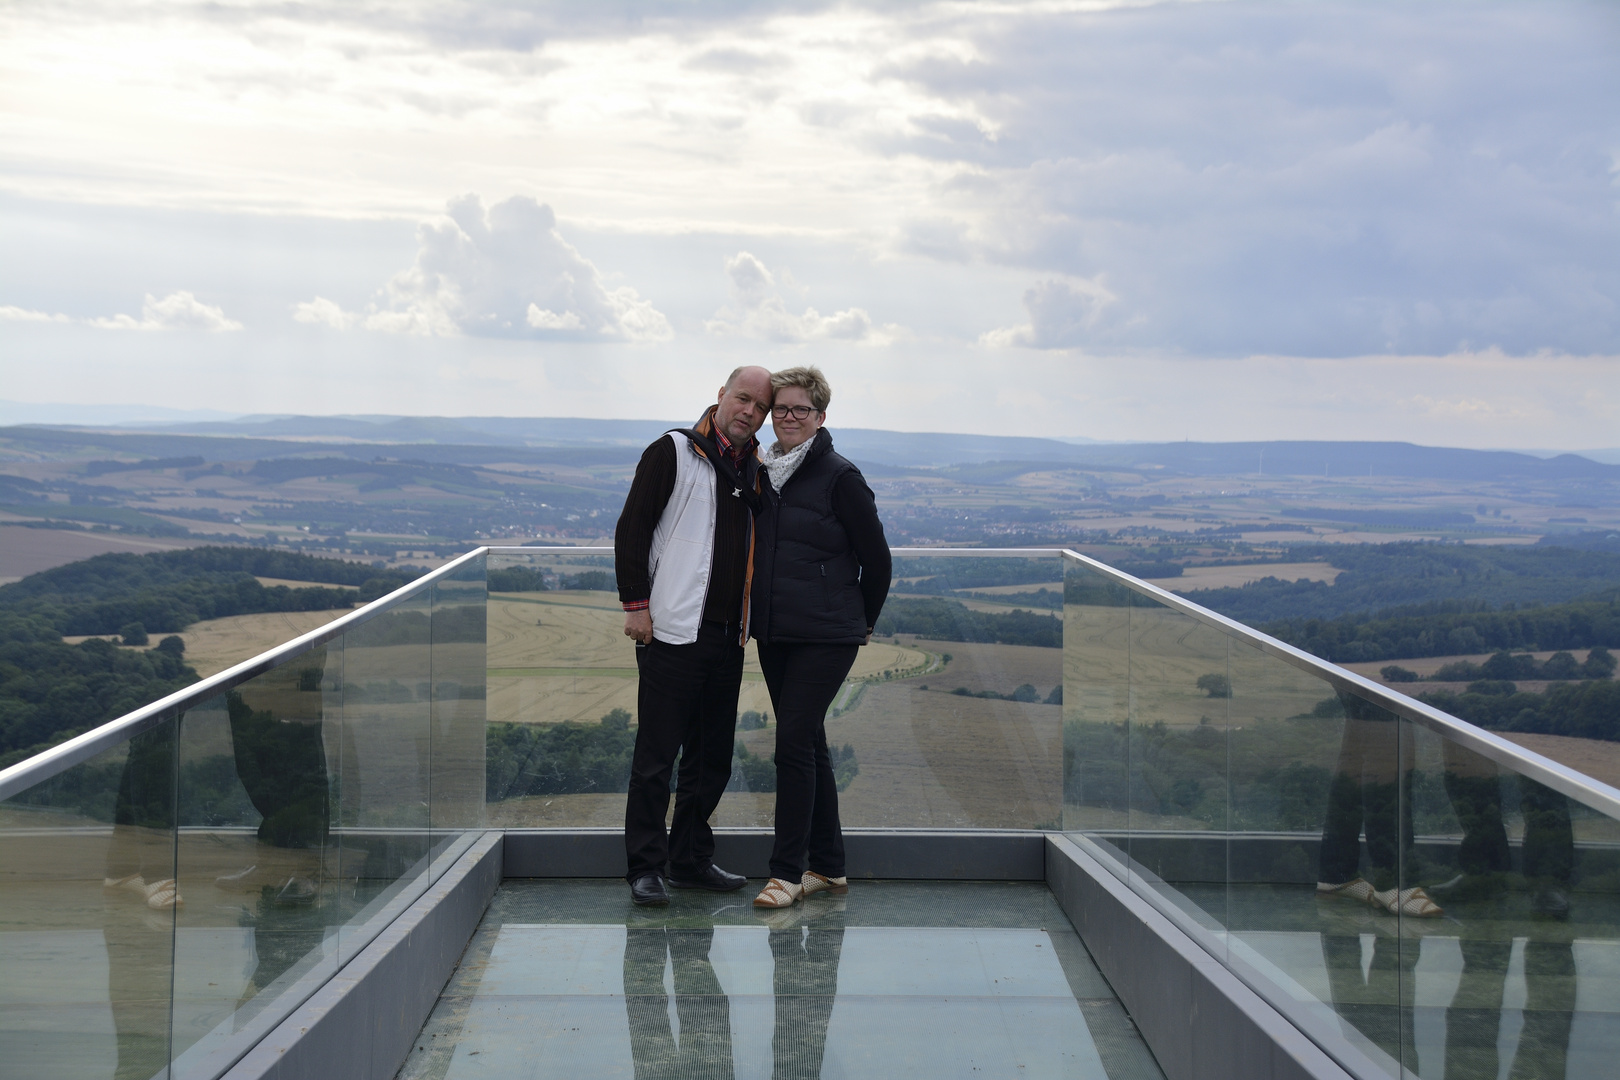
(868, 640)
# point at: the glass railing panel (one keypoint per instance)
(267, 887)
(459, 670)
(561, 690)
(1392, 886)
(1180, 690)
(1096, 705)
(951, 717)
(385, 753)
(87, 905)
(1513, 942)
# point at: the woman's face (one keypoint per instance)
(790, 430)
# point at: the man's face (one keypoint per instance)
(745, 402)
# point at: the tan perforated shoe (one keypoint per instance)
(779, 894)
(814, 883)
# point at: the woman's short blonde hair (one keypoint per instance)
(809, 379)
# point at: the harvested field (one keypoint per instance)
(1599, 760)
(217, 644)
(560, 656)
(28, 551)
(1228, 577)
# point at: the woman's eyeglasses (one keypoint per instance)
(800, 412)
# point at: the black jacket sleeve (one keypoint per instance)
(856, 508)
(632, 539)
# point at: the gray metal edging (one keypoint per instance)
(895, 854)
(1199, 1019)
(1562, 779)
(81, 748)
(362, 1023)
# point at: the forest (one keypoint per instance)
(1399, 576)
(51, 690)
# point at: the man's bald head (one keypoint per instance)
(745, 401)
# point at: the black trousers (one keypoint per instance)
(803, 680)
(688, 706)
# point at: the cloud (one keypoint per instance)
(1321, 180)
(760, 312)
(1062, 314)
(177, 311)
(500, 272)
(17, 314)
(323, 312)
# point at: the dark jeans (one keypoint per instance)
(803, 680)
(688, 706)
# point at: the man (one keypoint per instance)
(684, 555)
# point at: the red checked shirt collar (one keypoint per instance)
(734, 453)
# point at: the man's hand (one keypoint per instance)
(638, 625)
(868, 640)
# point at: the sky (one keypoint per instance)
(1125, 221)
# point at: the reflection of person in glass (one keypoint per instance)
(805, 982)
(1547, 860)
(282, 766)
(1371, 790)
(823, 570)
(701, 1006)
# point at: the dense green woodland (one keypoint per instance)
(51, 691)
(950, 620)
(574, 758)
(1382, 577)
(1455, 628)
(1582, 710)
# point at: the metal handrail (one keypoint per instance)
(81, 748)
(1561, 778)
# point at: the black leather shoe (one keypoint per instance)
(648, 891)
(712, 878)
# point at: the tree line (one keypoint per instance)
(51, 691)
(576, 758)
(939, 619)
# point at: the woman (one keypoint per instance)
(821, 576)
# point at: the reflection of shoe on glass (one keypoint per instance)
(1354, 889)
(159, 895)
(296, 890)
(1414, 902)
(1549, 903)
(814, 883)
(780, 918)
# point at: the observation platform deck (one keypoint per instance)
(566, 978)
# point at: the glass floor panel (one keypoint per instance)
(1487, 990)
(569, 979)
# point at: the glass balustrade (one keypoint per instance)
(950, 718)
(167, 900)
(1413, 893)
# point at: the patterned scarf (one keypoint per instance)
(781, 464)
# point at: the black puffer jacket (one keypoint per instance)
(807, 575)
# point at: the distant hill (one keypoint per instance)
(474, 440)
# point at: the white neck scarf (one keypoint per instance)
(781, 464)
